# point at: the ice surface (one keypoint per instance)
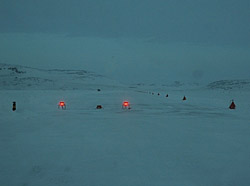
(160, 141)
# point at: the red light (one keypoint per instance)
(125, 103)
(61, 103)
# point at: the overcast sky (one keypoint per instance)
(139, 40)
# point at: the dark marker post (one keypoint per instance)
(232, 105)
(14, 106)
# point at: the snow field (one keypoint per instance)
(160, 141)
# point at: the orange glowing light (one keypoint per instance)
(62, 104)
(125, 103)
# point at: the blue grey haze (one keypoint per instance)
(130, 40)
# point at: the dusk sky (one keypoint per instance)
(130, 40)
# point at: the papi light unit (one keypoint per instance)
(126, 105)
(62, 105)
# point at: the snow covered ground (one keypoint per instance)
(160, 141)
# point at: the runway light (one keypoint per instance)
(62, 105)
(126, 105)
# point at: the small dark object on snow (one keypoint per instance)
(167, 95)
(158, 94)
(184, 98)
(98, 90)
(14, 106)
(98, 107)
(232, 106)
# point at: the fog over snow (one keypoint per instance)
(159, 141)
(131, 41)
(88, 53)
